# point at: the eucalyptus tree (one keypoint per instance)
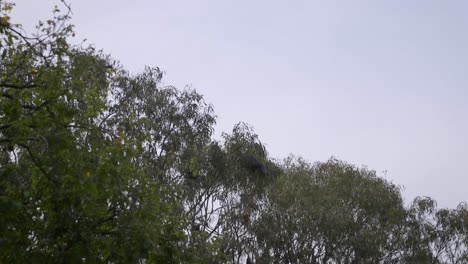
(435, 235)
(69, 187)
(101, 165)
(171, 131)
(329, 211)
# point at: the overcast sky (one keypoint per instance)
(376, 83)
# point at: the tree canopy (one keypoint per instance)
(100, 165)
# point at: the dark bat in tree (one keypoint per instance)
(254, 164)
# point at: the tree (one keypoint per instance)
(329, 211)
(101, 165)
(435, 235)
(69, 188)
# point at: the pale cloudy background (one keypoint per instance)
(376, 83)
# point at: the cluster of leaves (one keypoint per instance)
(101, 166)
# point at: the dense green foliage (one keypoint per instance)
(98, 165)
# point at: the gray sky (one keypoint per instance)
(376, 83)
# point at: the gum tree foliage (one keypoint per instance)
(98, 165)
(74, 186)
(228, 194)
(435, 235)
(334, 212)
(171, 132)
(328, 211)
